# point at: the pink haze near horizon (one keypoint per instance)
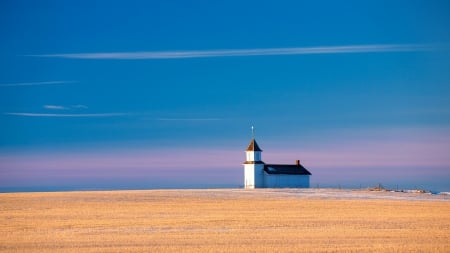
(399, 158)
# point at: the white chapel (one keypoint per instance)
(258, 174)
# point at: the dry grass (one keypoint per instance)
(217, 221)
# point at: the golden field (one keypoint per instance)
(220, 221)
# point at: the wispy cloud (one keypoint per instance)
(62, 107)
(36, 83)
(55, 107)
(80, 115)
(245, 52)
(189, 119)
(65, 115)
(79, 106)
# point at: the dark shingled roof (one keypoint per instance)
(286, 169)
(253, 146)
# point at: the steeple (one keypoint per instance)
(253, 146)
(253, 151)
(253, 165)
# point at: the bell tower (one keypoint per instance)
(253, 165)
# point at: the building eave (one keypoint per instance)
(253, 162)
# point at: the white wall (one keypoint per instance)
(249, 176)
(254, 175)
(286, 181)
(259, 175)
(253, 155)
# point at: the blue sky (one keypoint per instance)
(148, 94)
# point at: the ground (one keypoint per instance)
(228, 220)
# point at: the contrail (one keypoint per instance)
(189, 119)
(245, 52)
(60, 115)
(36, 83)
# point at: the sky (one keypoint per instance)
(163, 94)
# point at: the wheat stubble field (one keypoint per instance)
(223, 221)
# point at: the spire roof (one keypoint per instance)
(253, 146)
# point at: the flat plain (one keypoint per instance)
(224, 220)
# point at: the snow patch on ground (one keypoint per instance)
(317, 194)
